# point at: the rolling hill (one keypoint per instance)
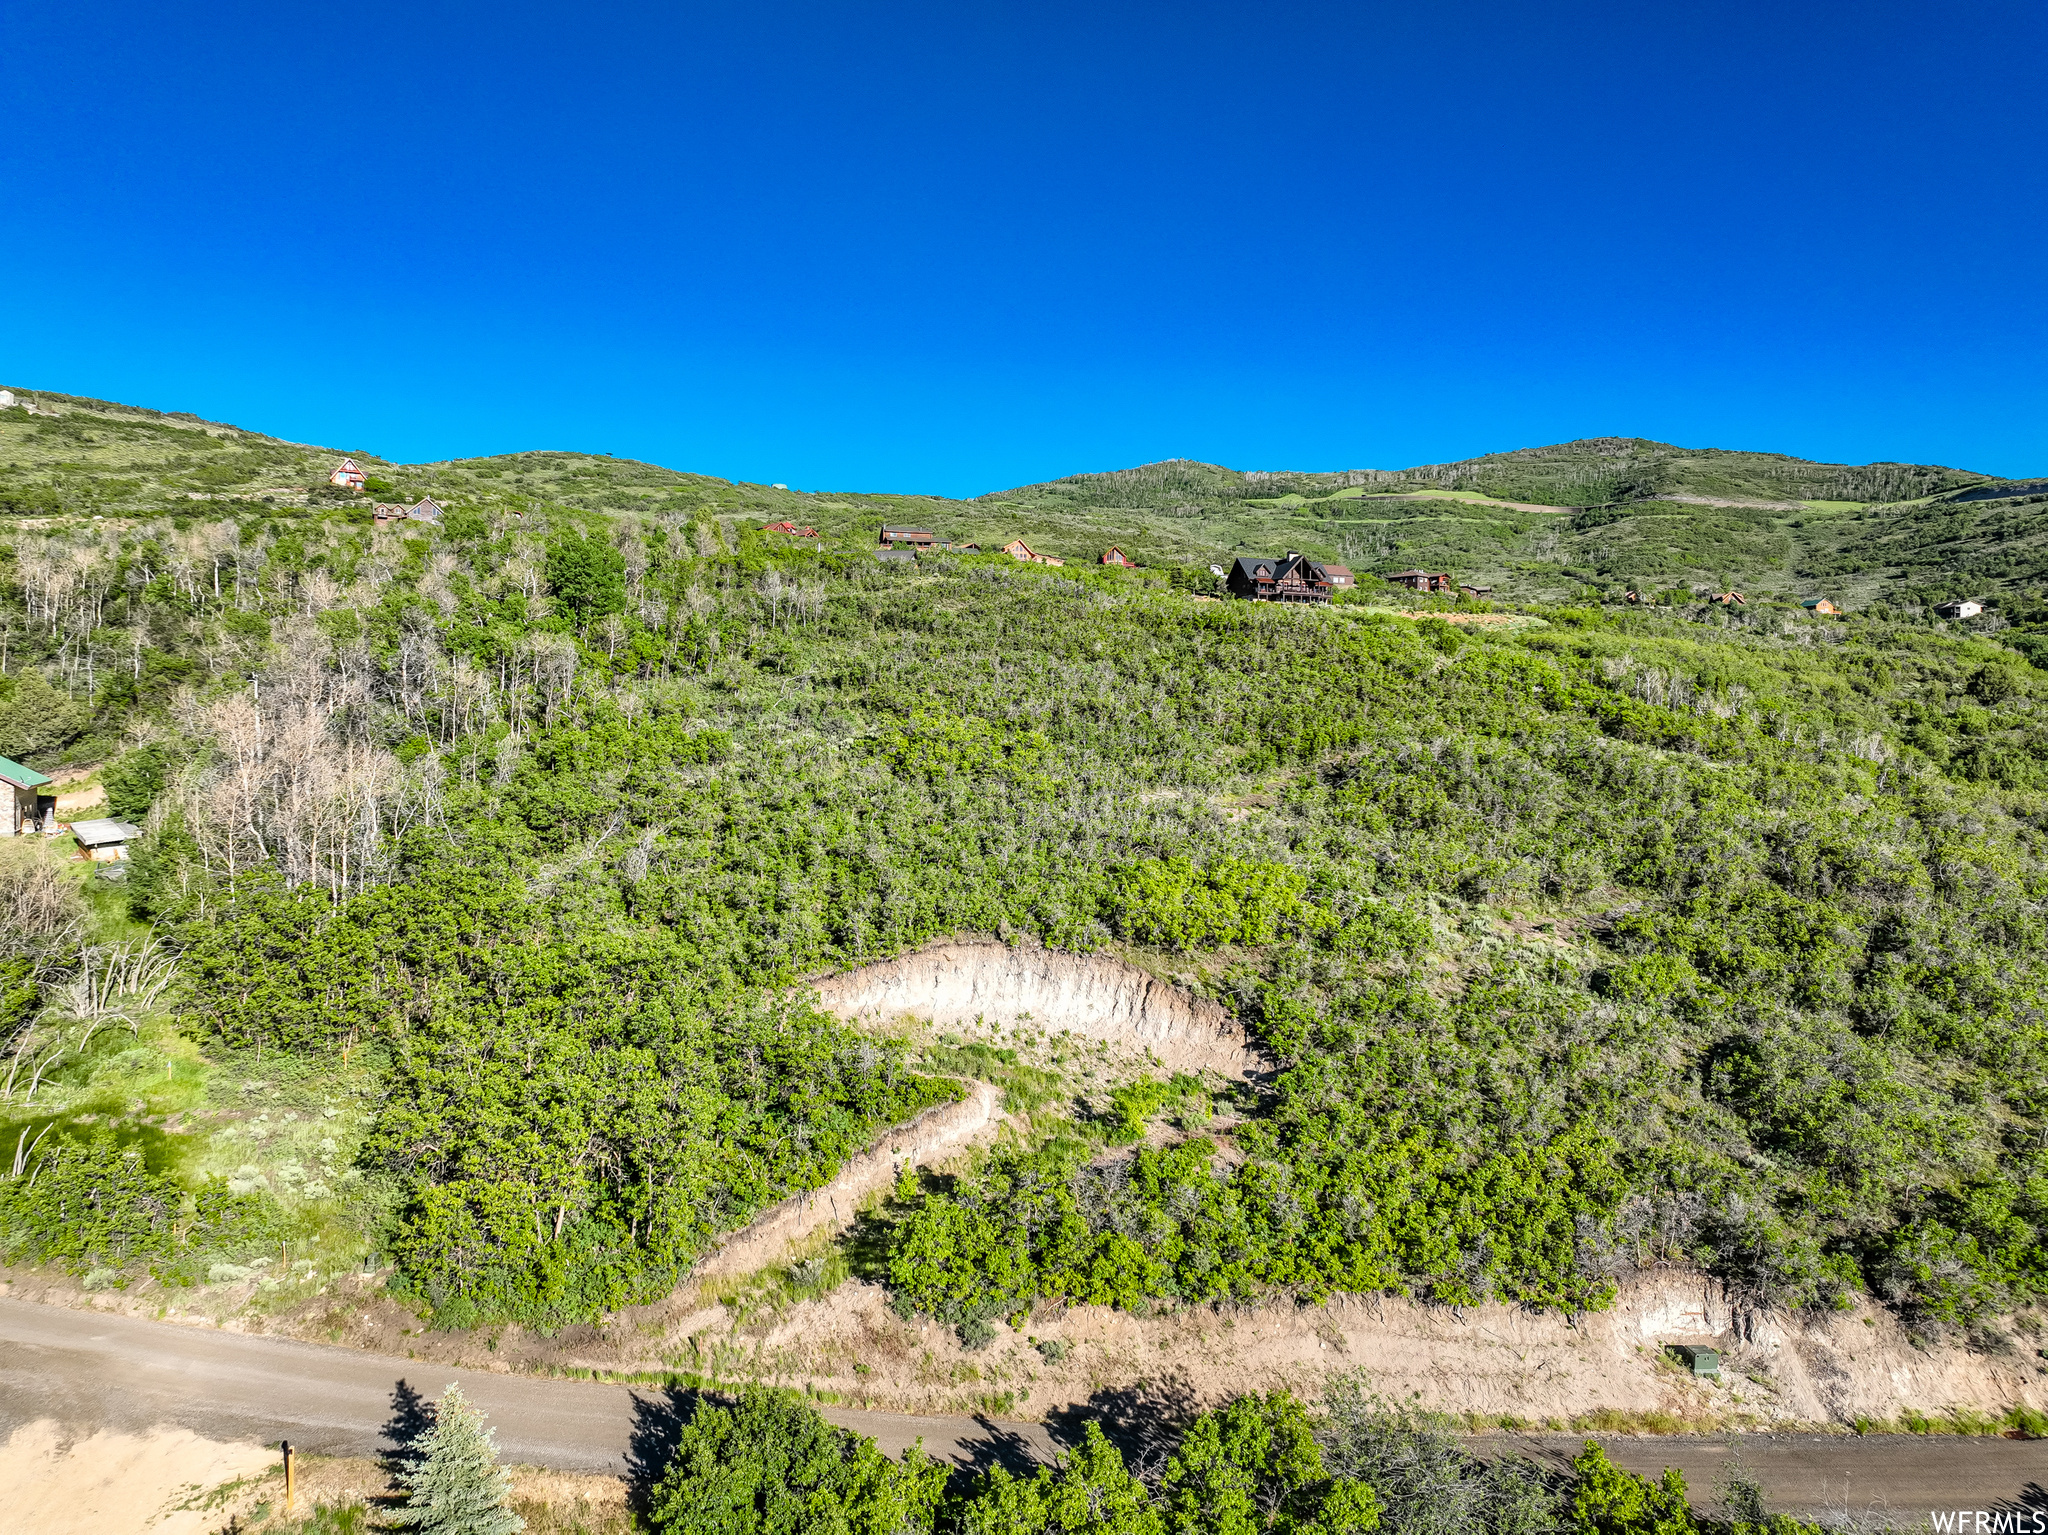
(1566, 522)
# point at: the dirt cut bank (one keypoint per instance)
(1095, 996)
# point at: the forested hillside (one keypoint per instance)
(481, 858)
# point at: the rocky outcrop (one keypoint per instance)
(963, 984)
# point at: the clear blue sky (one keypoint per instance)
(954, 247)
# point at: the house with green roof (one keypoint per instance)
(34, 806)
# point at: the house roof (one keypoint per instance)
(1279, 567)
(1814, 602)
(428, 508)
(100, 833)
(1409, 575)
(890, 530)
(21, 777)
(1332, 568)
(896, 556)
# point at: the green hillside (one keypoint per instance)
(478, 859)
(1571, 522)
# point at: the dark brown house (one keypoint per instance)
(1294, 577)
(1424, 580)
(916, 538)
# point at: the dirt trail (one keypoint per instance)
(956, 984)
(1092, 995)
(931, 1135)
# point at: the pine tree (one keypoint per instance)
(453, 1482)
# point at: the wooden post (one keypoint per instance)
(290, 1476)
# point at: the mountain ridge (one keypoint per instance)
(1555, 522)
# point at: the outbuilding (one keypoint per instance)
(104, 841)
(34, 805)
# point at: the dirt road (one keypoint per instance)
(89, 1372)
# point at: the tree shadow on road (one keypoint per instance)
(658, 1419)
(412, 1417)
(1144, 1421)
(999, 1446)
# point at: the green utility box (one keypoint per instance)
(1703, 1362)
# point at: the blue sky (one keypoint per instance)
(954, 248)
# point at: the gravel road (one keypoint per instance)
(88, 1371)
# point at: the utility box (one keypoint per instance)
(1703, 1362)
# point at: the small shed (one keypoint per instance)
(1424, 580)
(1115, 556)
(1962, 608)
(916, 538)
(1819, 605)
(104, 841)
(1704, 1362)
(34, 808)
(347, 475)
(897, 556)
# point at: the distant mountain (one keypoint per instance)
(1595, 471)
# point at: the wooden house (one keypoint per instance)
(1424, 580)
(1820, 605)
(35, 804)
(1294, 577)
(1962, 608)
(915, 538)
(1017, 549)
(790, 528)
(1475, 592)
(1116, 556)
(1731, 600)
(104, 841)
(1340, 575)
(347, 475)
(428, 510)
(384, 513)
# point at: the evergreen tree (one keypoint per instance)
(453, 1483)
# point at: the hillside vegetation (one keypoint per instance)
(481, 859)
